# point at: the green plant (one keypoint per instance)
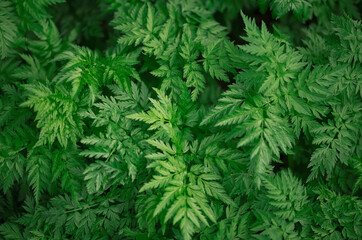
(153, 119)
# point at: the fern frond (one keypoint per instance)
(8, 28)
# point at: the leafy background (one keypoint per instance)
(180, 119)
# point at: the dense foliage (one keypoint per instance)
(180, 119)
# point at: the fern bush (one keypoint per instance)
(180, 119)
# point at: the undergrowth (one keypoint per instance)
(180, 119)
